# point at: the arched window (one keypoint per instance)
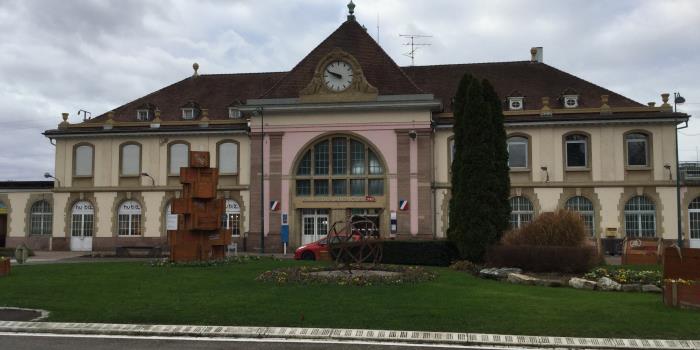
(339, 166)
(178, 157)
(637, 145)
(232, 218)
(640, 217)
(131, 159)
(583, 207)
(82, 160)
(82, 219)
(517, 152)
(41, 218)
(129, 219)
(576, 151)
(227, 154)
(521, 212)
(694, 214)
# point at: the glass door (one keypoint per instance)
(314, 225)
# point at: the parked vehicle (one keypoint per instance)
(319, 249)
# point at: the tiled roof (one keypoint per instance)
(379, 69)
(214, 92)
(533, 80)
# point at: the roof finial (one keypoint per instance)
(195, 66)
(351, 11)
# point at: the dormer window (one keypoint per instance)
(234, 113)
(188, 113)
(142, 115)
(570, 101)
(515, 103)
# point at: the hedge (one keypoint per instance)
(428, 253)
(544, 258)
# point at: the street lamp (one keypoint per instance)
(153, 181)
(678, 99)
(259, 112)
(49, 176)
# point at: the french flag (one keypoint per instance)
(403, 204)
(274, 205)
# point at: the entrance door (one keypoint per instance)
(81, 227)
(314, 225)
(3, 229)
(694, 216)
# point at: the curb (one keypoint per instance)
(415, 337)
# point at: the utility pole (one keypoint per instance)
(414, 45)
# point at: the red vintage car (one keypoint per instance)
(318, 249)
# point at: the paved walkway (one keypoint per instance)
(53, 257)
(369, 335)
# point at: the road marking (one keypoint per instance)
(254, 340)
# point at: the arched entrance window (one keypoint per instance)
(694, 216)
(339, 166)
(522, 211)
(640, 217)
(41, 218)
(583, 207)
(82, 222)
(129, 219)
(232, 218)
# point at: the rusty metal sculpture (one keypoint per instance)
(355, 241)
(199, 235)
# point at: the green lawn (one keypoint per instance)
(228, 295)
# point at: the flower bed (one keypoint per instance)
(379, 274)
(4, 266)
(207, 263)
(624, 276)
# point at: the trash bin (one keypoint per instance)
(21, 254)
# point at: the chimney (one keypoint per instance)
(536, 54)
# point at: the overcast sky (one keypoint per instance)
(63, 56)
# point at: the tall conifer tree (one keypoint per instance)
(479, 204)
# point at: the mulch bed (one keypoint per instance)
(10, 314)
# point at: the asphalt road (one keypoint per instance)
(61, 342)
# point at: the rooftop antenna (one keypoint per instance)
(377, 27)
(86, 115)
(414, 45)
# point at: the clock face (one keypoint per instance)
(338, 75)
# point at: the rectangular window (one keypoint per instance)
(303, 187)
(340, 187)
(320, 187)
(357, 187)
(321, 158)
(340, 156)
(142, 115)
(228, 158)
(637, 152)
(131, 160)
(576, 154)
(517, 154)
(358, 158)
(234, 113)
(83, 160)
(376, 187)
(188, 113)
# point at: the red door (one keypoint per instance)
(3, 229)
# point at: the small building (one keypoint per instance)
(348, 131)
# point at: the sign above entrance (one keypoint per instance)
(370, 199)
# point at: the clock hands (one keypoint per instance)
(336, 75)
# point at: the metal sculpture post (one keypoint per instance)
(199, 235)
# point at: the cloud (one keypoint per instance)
(61, 56)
